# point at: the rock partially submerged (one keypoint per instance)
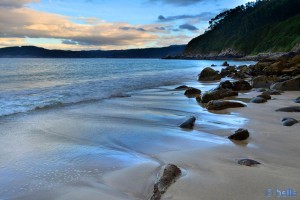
(192, 92)
(222, 104)
(170, 174)
(225, 64)
(297, 100)
(288, 121)
(182, 87)
(217, 94)
(248, 162)
(265, 96)
(272, 92)
(188, 124)
(225, 85)
(240, 134)
(258, 100)
(289, 109)
(241, 85)
(209, 74)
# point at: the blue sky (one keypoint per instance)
(106, 24)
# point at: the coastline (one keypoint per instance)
(151, 138)
(236, 57)
(122, 162)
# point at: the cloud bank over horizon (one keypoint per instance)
(50, 25)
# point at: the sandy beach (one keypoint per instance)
(115, 148)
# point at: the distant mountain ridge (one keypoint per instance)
(261, 27)
(38, 52)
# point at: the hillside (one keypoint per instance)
(264, 26)
(37, 52)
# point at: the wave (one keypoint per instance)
(59, 104)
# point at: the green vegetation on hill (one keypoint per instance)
(257, 27)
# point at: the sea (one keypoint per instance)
(68, 125)
(30, 84)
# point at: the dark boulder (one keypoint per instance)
(221, 104)
(265, 96)
(287, 121)
(272, 92)
(225, 64)
(225, 85)
(209, 74)
(182, 87)
(258, 100)
(241, 85)
(261, 90)
(263, 81)
(170, 174)
(199, 98)
(289, 109)
(192, 92)
(217, 94)
(240, 134)
(290, 85)
(248, 162)
(297, 100)
(188, 124)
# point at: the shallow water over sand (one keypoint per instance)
(46, 150)
(71, 151)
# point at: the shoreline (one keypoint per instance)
(258, 57)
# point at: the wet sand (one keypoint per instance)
(113, 149)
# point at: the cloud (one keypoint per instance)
(188, 27)
(181, 2)
(4, 42)
(126, 28)
(205, 16)
(22, 22)
(16, 3)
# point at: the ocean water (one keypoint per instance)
(30, 84)
(70, 152)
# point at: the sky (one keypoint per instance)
(106, 24)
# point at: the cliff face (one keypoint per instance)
(266, 26)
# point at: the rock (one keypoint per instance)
(297, 100)
(213, 65)
(199, 98)
(209, 74)
(271, 92)
(188, 124)
(263, 81)
(192, 92)
(221, 105)
(258, 100)
(231, 68)
(261, 90)
(217, 94)
(225, 64)
(224, 72)
(225, 85)
(182, 87)
(274, 68)
(290, 85)
(265, 96)
(289, 109)
(287, 121)
(241, 85)
(248, 162)
(170, 174)
(240, 134)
